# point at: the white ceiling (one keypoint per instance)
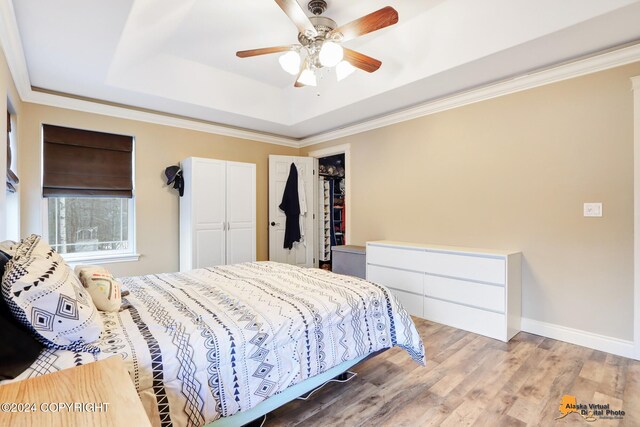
(178, 57)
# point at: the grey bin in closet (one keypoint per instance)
(350, 260)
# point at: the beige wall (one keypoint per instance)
(513, 173)
(157, 219)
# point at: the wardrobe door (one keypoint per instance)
(241, 212)
(208, 189)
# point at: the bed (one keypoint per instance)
(224, 345)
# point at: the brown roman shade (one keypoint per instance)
(82, 163)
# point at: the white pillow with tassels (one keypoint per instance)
(104, 289)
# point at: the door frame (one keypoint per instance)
(636, 216)
(330, 151)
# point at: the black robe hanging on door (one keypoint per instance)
(291, 207)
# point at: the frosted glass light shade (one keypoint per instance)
(330, 54)
(308, 78)
(290, 62)
(344, 70)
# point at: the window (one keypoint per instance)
(88, 183)
(90, 226)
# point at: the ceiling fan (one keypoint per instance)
(320, 42)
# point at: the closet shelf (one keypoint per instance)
(331, 216)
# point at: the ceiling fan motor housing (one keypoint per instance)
(323, 26)
(317, 7)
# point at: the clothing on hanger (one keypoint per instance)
(290, 205)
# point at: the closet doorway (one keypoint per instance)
(333, 201)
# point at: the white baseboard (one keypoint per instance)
(604, 343)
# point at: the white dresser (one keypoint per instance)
(478, 290)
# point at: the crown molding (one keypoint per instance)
(12, 47)
(71, 103)
(14, 53)
(592, 64)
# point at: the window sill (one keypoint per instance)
(100, 259)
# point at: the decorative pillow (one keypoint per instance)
(4, 259)
(43, 293)
(19, 348)
(102, 286)
(8, 247)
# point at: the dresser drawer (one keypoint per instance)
(402, 280)
(470, 293)
(412, 303)
(469, 267)
(396, 257)
(474, 320)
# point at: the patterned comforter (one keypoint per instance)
(215, 341)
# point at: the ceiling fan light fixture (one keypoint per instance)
(308, 78)
(343, 70)
(331, 54)
(290, 62)
(320, 40)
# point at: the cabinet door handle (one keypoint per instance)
(273, 223)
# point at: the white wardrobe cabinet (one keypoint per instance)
(217, 213)
(477, 290)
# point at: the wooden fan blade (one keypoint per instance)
(367, 24)
(362, 61)
(297, 15)
(262, 51)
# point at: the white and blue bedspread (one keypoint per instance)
(215, 341)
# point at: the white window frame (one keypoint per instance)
(97, 257)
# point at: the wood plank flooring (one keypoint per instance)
(471, 380)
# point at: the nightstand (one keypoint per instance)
(350, 260)
(96, 394)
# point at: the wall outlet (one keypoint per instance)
(593, 209)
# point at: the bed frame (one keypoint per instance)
(290, 394)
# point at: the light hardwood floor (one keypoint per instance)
(473, 380)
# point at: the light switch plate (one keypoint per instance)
(593, 209)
